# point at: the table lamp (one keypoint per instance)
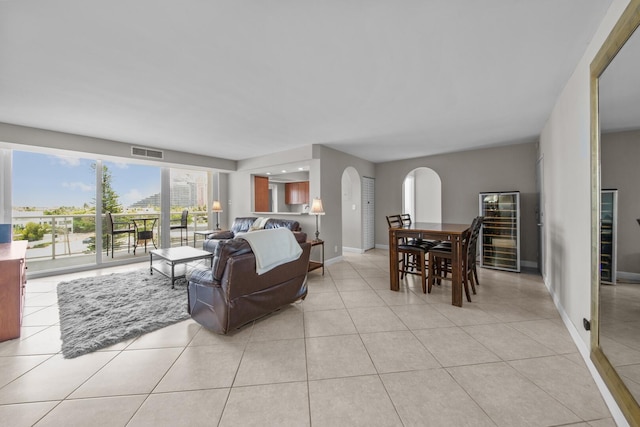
(316, 209)
(217, 208)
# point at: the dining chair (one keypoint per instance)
(440, 260)
(413, 252)
(472, 253)
(182, 226)
(406, 222)
(116, 228)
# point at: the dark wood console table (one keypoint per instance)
(13, 280)
(313, 265)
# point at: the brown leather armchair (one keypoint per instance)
(231, 294)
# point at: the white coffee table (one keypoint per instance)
(173, 261)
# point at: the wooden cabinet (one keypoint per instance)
(13, 279)
(296, 193)
(500, 232)
(261, 194)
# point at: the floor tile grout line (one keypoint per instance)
(471, 397)
(306, 364)
(412, 331)
(378, 375)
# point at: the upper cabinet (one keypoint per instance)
(296, 193)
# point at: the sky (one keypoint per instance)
(44, 180)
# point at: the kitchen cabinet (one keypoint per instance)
(296, 193)
(261, 194)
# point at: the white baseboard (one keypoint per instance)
(584, 350)
(379, 246)
(628, 277)
(355, 250)
(529, 264)
(333, 260)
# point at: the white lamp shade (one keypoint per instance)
(316, 207)
(217, 207)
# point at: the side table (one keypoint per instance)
(313, 265)
(203, 233)
(145, 233)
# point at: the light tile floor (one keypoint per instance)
(352, 354)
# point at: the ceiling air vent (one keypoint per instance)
(147, 152)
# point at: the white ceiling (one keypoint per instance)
(382, 80)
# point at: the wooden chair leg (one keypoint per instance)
(475, 274)
(465, 283)
(439, 262)
(432, 272)
(472, 281)
(423, 273)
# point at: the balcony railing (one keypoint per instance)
(72, 239)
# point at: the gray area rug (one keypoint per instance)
(96, 312)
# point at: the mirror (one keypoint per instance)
(615, 275)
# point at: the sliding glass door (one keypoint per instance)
(56, 200)
(131, 207)
(189, 192)
(53, 208)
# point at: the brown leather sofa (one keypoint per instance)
(243, 224)
(231, 294)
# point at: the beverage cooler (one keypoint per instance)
(608, 231)
(500, 233)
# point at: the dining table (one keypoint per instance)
(431, 231)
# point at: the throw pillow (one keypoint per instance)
(258, 224)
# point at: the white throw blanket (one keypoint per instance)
(272, 247)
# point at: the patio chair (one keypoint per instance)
(182, 226)
(116, 228)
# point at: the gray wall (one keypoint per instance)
(325, 181)
(464, 175)
(332, 165)
(620, 153)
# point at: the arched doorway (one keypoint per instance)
(422, 195)
(351, 211)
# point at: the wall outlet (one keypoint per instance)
(335, 249)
